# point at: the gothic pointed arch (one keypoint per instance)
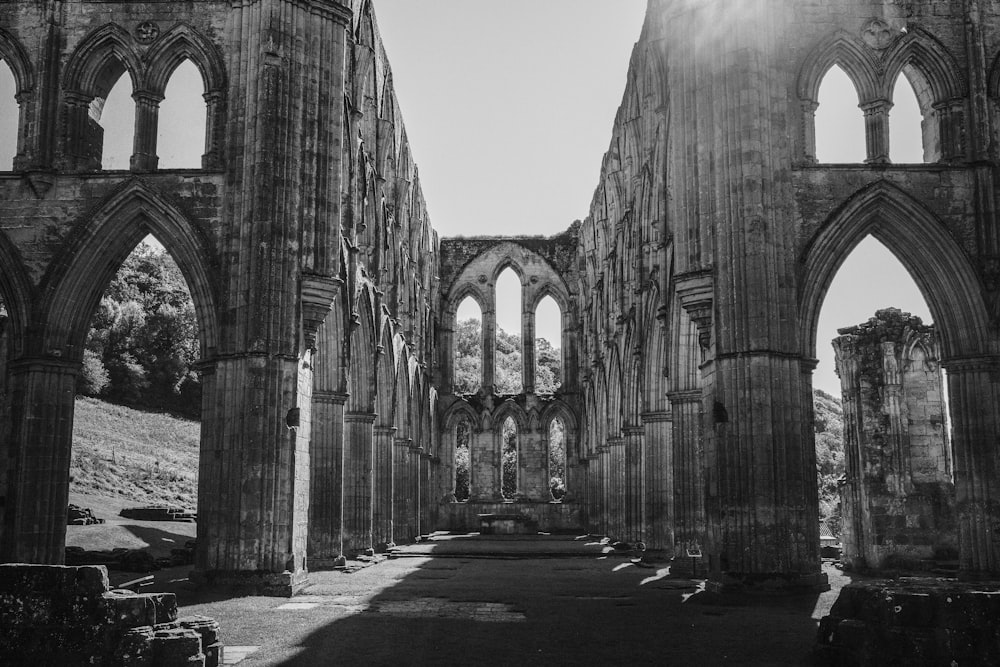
(920, 50)
(993, 80)
(922, 243)
(17, 292)
(851, 55)
(456, 412)
(12, 53)
(614, 388)
(387, 378)
(107, 50)
(514, 411)
(402, 395)
(96, 249)
(180, 43)
(328, 366)
(361, 388)
(559, 409)
(550, 289)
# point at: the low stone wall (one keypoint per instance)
(915, 622)
(551, 517)
(58, 615)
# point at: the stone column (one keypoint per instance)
(41, 393)
(528, 360)
(416, 454)
(426, 493)
(635, 484)
(23, 157)
(737, 246)
(82, 135)
(382, 527)
(147, 113)
(490, 343)
(257, 513)
(877, 131)
(809, 130)
(605, 484)
(327, 479)
(358, 449)
(974, 400)
(950, 117)
(689, 520)
(484, 467)
(659, 481)
(215, 131)
(617, 488)
(402, 501)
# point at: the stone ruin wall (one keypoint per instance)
(69, 615)
(470, 268)
(701, 267)
(898, 497)
(304, 239)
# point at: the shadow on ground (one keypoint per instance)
(451, 610)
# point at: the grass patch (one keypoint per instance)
(145, 457)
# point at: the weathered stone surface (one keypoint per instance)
(897, 495)
(690, 292)
(67, 615)
(911, 622)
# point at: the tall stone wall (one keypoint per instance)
(898, 499)
(305, 242)
(714, 235)
(625, 257)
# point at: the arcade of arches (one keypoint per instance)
(326, 303)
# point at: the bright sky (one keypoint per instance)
(509, 109)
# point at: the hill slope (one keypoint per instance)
(145, 457)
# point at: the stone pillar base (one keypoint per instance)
(251, 582)
(326, 563)
(768, 583)
(685, 567)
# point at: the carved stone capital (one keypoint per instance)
(696, 292)
(318, 293)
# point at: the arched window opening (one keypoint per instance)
(906, 135)
(180, 140)
(136, 429)
(508, 335)
(840, 124)
(463, 461)
(557, 459)
(116, 115)
(887, 394)
(143, 339)
(9, 116)
(468, 347)
(508, 460)
(548, 344)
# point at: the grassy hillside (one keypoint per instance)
(145, 457)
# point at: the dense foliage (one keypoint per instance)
(463, 462)
(557, 459)
(829, 425)
(508, 460)
(144, 338)
(469, 354)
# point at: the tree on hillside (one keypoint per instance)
(144, 337)
(507, 375)
(468, 356)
